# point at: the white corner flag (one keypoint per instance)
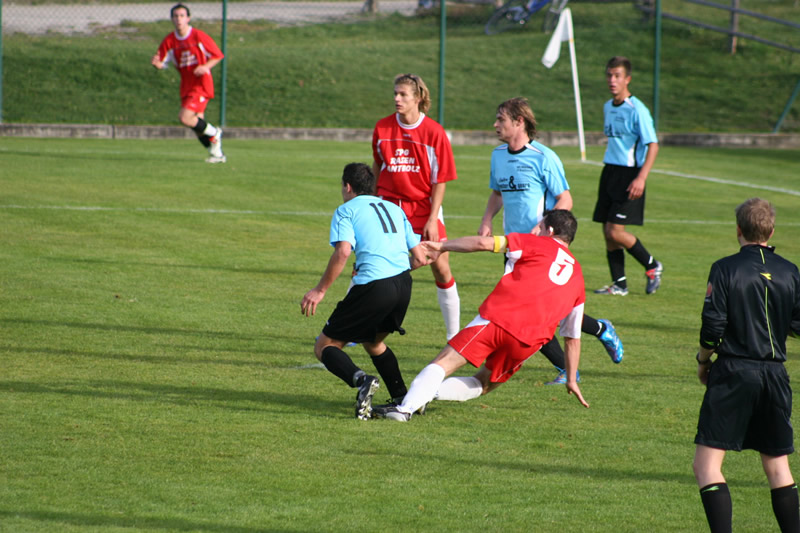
(563, 32)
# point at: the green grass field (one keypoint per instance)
(157, 374)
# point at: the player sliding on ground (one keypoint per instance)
(511, 325)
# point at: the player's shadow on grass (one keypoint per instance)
(192, 396)
(56, 519)
(157, 359)
(150, 330)
(543, 468)
(299, 271)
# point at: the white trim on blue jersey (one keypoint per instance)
(629, 128)
(379, 233)
(529, 181)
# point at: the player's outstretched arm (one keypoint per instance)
(308, 306)
(572, 354)
(472, 243)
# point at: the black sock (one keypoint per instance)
(340, 365)
(389, 370)
(552, 350)
(786, 506)
(592, 326)
(199, 130)
(639, 253)
(717, 503)
(616, 263)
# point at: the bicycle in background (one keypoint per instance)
(516, 13)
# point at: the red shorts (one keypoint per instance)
(418, 214)
(481, 341)
(195, 102)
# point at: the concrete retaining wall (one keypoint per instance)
(555, 138)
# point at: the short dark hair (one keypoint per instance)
(179, 6)
(563, 222)
(518, 107)
(620, 61)
(360, 177)
(756, 218)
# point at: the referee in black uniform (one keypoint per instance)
(752, 303)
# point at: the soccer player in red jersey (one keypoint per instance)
(194, 54)
(414, 161)
(511, 325)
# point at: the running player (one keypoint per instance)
(414, 161)
(511, 325)
(194, 54)
(631, 152)
(376, 304)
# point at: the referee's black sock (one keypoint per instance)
(199, 130)
(786, 506)
(616, 263)
(719, 510)
(340, 365)
(389, 370)
(552, 350)
(640, 253)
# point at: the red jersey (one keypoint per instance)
(542, 285)
(187, 53)
(412, 157)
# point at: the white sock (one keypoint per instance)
(459, 389)
(210, 130)
(450, 304)
(422, 389)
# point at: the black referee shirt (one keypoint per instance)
(752, 302)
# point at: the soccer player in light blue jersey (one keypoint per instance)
(381, 237)
(631, 152)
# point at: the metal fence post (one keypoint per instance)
(1, 61)
(442, 40)
(657, 64)
(787, 107)
(223, 100)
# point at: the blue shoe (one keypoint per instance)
(561, 378)
(611, 341)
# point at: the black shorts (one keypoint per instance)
(375, 307)
(613, 204)
(747, 405)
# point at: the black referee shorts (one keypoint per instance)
(613, 204)
(747, 405)
(375, 307)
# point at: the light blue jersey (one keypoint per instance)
(529, 181)
(629, 128)
(380, 235)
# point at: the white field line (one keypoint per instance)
(709, 179)
(298, 213)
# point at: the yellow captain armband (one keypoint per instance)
(500, 244)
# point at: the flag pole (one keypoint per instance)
(576, 86)
(563, 32)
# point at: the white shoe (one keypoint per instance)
(215, 148)
(215, 159)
